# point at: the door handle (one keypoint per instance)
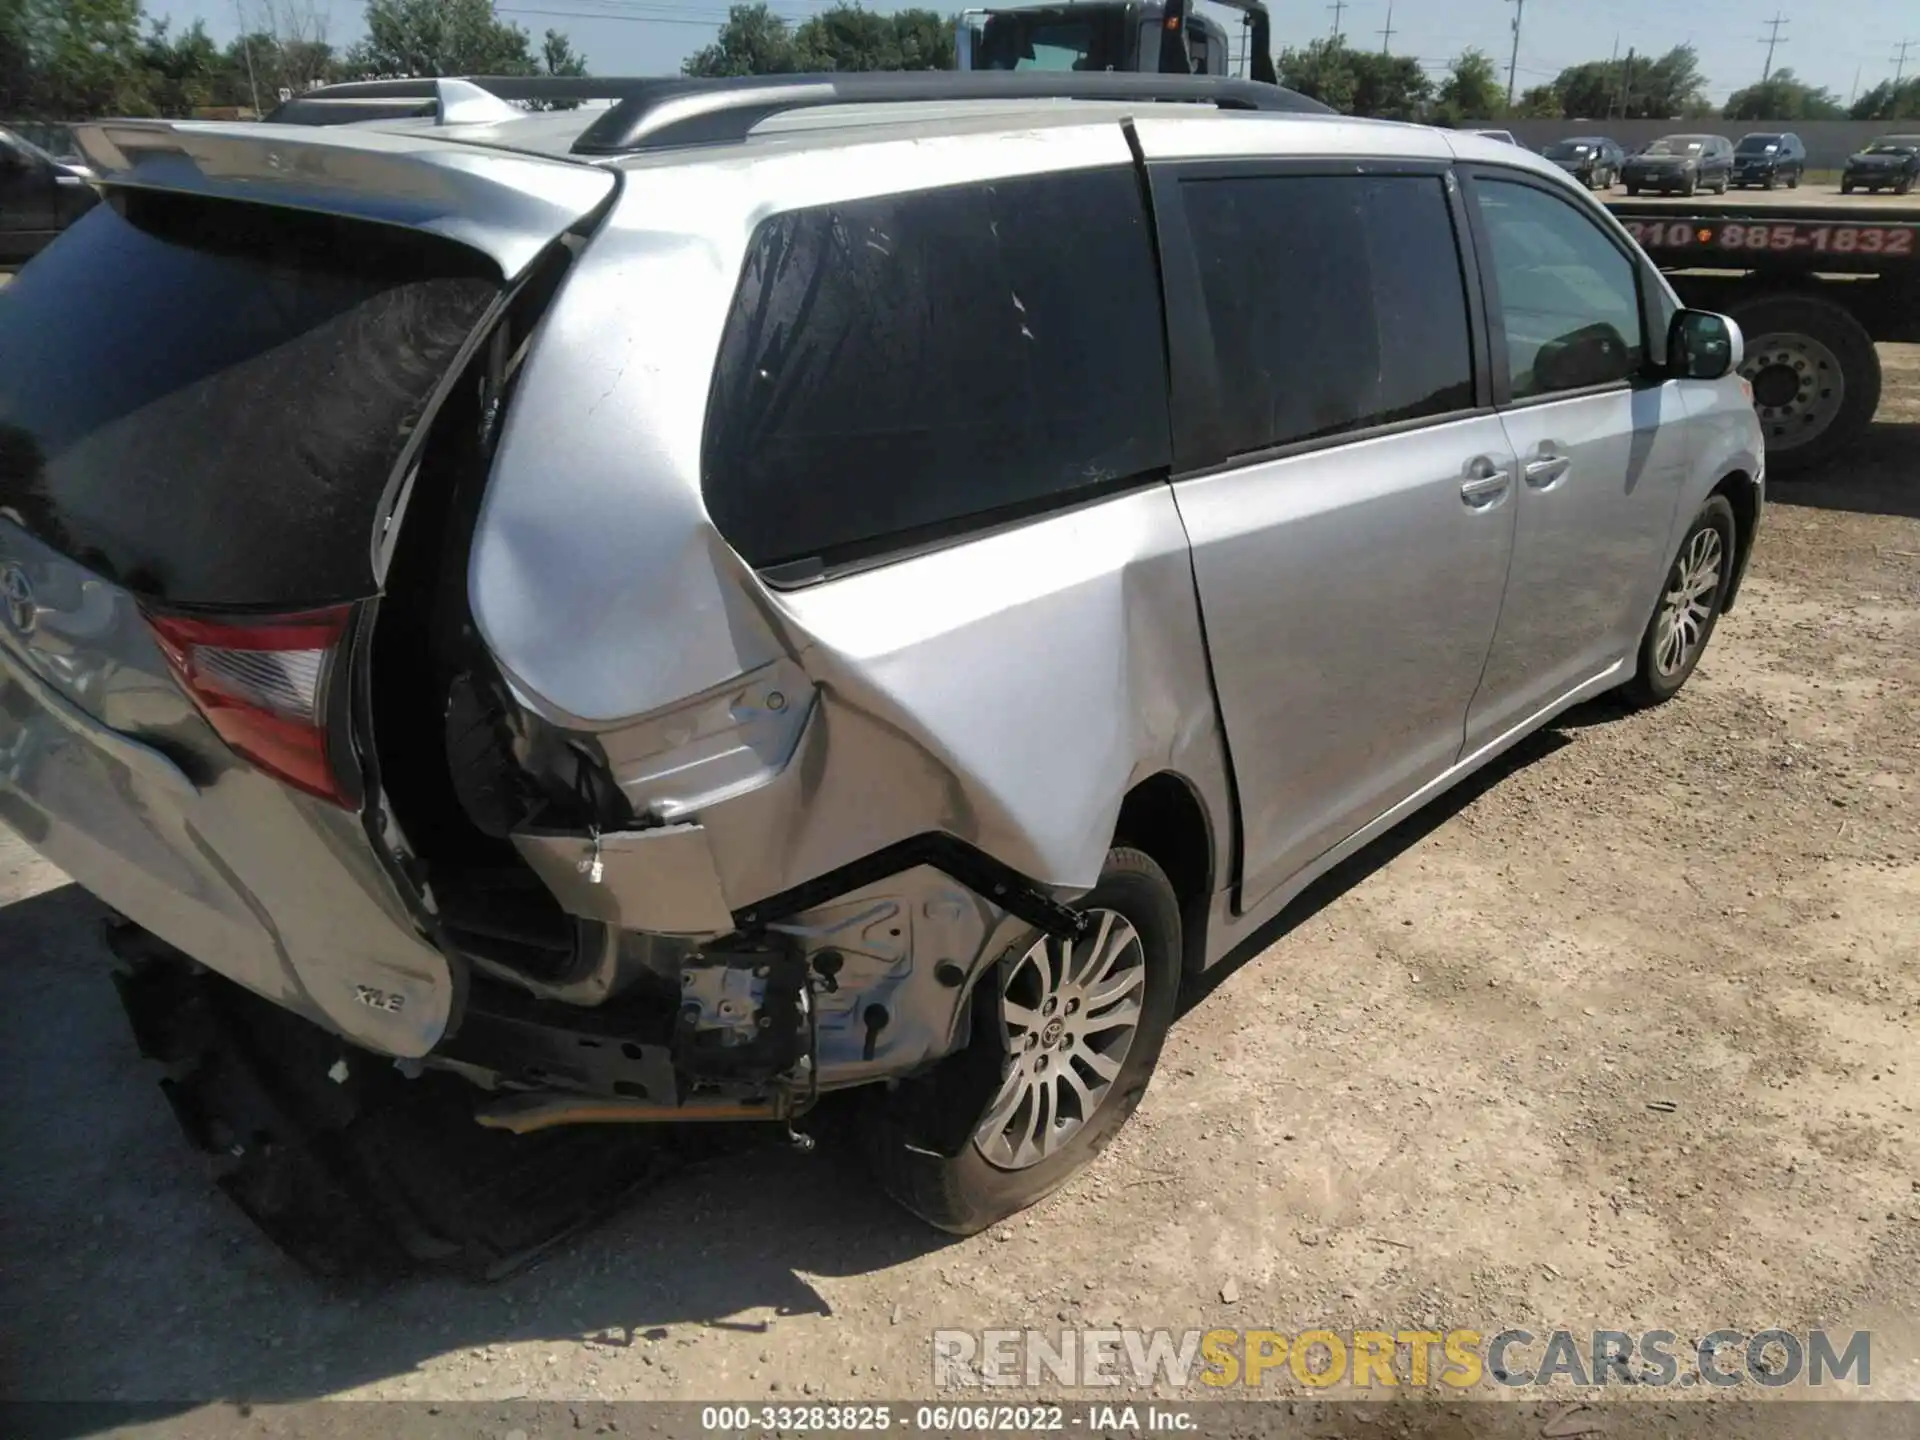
(1486, 483)
(1547, 471)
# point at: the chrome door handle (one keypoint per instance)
(1485, 484)
(1544, 473)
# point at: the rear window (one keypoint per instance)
(902, 368)
(1758, 144)
(203, 401)
(1336, 303)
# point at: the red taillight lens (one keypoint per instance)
(262, 684)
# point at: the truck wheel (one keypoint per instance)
(1815, 377)
(1065, 1039)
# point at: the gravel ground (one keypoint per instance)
(1619, 1036)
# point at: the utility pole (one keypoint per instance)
(1854, 94)
(1900, 60)
(1626, 87)
(1386, 35)
(1613, 63)
(1513, 63)
(246, 48)
(1338, 8)
(1773, 39)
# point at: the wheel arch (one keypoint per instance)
(1743, 493)
(1163, 816)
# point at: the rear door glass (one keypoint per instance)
(1336, 302)
(912, 366)
(203, 401)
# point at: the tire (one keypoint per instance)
(921, 1136)
(1846, 187)
(1768, 183)
(1793, 183)
(1846, 340)
(1903, 186)
(1687, 187)
(1652, 685)
(1632, 189)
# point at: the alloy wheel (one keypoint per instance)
(1693, 589)
(1069, 1011)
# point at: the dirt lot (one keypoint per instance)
(1621, 1036)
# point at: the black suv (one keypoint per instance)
(1769, 160)
(1594, 160)
(1890, 163)
(39, 197)
(1681, 162)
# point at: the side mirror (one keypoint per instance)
(1704, 346)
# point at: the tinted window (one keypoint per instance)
(204, 400)
(1759, 144)
(895, 366)
(1336, 303)
(1569, 300)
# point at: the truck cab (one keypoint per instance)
(1163, 36)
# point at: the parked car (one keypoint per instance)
(1890, 163)
(863, 600)
(1683, 163)
(1593, 160)
(1767, 160)
(39, 197)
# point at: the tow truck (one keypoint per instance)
(1813, 284)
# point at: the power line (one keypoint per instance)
(1773, 39)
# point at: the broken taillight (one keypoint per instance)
(262, 684)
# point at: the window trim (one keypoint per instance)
(1653, 351)
(1199, 427)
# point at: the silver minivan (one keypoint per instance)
(768, 587)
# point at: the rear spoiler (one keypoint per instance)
(508, 206)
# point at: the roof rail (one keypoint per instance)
(685, 111)
(655, 112)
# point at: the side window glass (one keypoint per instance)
(1568, 299)
(1336, 303)
(896, 367)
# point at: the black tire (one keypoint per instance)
(1688, 187)
(920, 1135)
(1793, 181)
(1846, 187)
(1649, 686)
(1847, 339)
(1904, 185)
(1632, 189)
(1768, 183)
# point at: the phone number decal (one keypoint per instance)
(1889, 240)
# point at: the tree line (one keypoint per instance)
(65, 59)
(70, 59)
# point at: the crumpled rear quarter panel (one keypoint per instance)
(1006, 689)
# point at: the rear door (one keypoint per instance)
(1600, 434)
(1347, 491)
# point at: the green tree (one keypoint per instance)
(177, 75)
(441, 37)
(848, 37)
(82, 57)
(1323, 69)
(1783, 96)
(1541, 102)
(16, 59)
(1886, 101)
(1389, 87)
(558, 57)
(754, 41)
(1471, 91)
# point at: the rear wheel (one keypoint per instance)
(1688, 608)
(1815, 377)
(1632, 189)
(1065, 1039)
(1904, 186)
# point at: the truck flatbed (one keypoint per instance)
(1814, 279)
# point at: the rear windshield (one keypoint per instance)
(1895, 145)
(1568, 149)
(1052, 40)
(203, 401)
(1678, 145)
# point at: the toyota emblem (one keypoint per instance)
(16, 593)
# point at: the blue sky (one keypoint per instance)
(1829, 42)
